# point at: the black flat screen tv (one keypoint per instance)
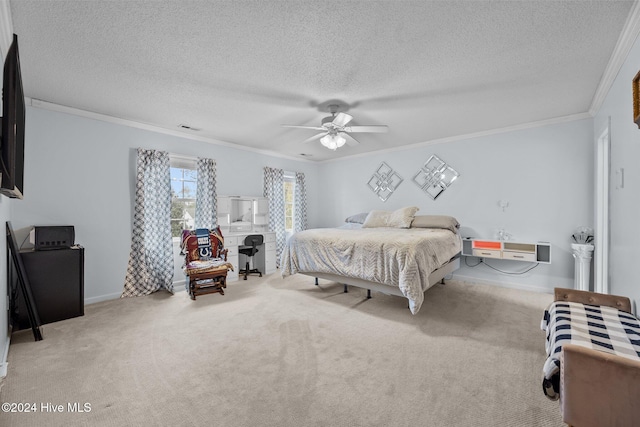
(13, 122)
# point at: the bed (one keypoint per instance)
(392, 260)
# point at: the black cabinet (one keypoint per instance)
(57, 284)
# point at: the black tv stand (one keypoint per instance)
(57, 285)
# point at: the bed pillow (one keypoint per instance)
(357, 218)
(398, 219)
(436, 221)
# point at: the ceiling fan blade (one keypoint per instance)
(372, 128)
(314, 137)
(351, 141)
(304, 127)
(341, 119)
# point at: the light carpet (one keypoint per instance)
(283, 352)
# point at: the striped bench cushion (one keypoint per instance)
(593, 326)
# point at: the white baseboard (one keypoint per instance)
(532, 288)
(177, 287)
(101, 298)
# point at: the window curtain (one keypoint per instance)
(206, 194)
(274, 192)
(300, 204)
(151, 258)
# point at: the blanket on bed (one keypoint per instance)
(593, 326)
(391, 256)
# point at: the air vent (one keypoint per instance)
(187, 127)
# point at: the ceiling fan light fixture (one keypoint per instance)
(334, 132)
(333, 142)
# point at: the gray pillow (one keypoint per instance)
(436, 221)
(357, 218)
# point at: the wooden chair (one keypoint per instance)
(205, 276)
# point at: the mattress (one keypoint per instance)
(403, 258)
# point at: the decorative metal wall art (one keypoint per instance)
(384, 181)
(435, 177)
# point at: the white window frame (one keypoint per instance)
(184, 163)
(180, 162)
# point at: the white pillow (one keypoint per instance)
(401, 218)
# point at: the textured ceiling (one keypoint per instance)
(238, 70)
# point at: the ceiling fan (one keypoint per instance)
(335, 132)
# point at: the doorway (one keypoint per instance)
(602, 184)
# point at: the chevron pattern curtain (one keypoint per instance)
(206, 194)
(151, 258)
(300, 204)
(274, 191)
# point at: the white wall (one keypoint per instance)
(545, 173)
(624, 207)
(81, 172)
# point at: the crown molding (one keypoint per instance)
(45, 105)
(625, 42)
(524, 126)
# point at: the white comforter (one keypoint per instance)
(391, 256)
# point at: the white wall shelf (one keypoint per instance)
(514, 251)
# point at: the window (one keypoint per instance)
(289, 187)
(183, 195)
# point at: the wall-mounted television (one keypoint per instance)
(13, 122)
